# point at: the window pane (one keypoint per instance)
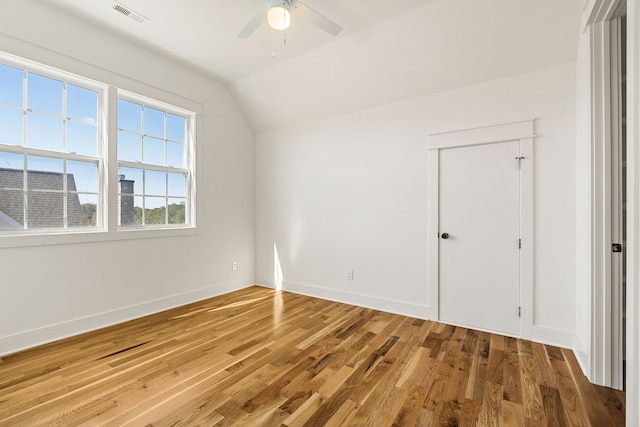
(153, 122)
(89, 207)
(176, 128)
(11, 194)
(82, 176)
(133, 178)
(11, 166)
(125, 207)
(177, 208)
(44, 94)
(176, 155)
(155, 183)
(82, 139)
(129, 209)
(155, 210)
(137, 210)
(11, 81)
(177, 184)
(44, 174)
(82, 104)
(44, 209)
(44, 132)
(129, 116)
(10, 126)
(129, 147)
(11, 209)
(153, 151)
(74, 211)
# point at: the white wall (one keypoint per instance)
(49, 291)
(351, 193)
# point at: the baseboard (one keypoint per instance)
(35, 337)
(555, 337)
(582, 355)
(352, 298)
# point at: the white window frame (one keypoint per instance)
(99, 158)
(189, 168)
(108, 167)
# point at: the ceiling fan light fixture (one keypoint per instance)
(279, 17)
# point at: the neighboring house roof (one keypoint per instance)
(6, 222)
(45, 206)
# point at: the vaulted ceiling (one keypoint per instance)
(387, 51)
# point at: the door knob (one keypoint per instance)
(445, 236)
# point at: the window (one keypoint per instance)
(54, 156)
(152, 165)
(49, 152)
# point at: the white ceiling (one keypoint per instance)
(388, 51)
(205, 32)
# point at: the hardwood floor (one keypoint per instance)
(259, 357)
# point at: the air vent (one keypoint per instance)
(126, 11)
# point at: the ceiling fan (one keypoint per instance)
(278, 14)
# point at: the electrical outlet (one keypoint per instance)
(349, 274)
(234, 266)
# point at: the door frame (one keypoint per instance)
(517, 131)
(603, 366)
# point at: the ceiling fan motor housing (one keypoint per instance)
(278, 14)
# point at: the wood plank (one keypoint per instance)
(553, 407)
(491, 409)
(512, 379)
(419, 386)
(512, 415)
(532, 399)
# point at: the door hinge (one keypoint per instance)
(519, 311)
(519, 243)
(519, 159)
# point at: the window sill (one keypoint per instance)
(78, 237)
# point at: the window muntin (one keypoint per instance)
(152, 165)
(49, 146)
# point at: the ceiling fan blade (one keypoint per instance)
(253, 25)
(304, 11)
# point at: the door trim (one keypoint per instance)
(518, 131)
(600, 364)
(617, 209)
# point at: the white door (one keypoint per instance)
(479, 237)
